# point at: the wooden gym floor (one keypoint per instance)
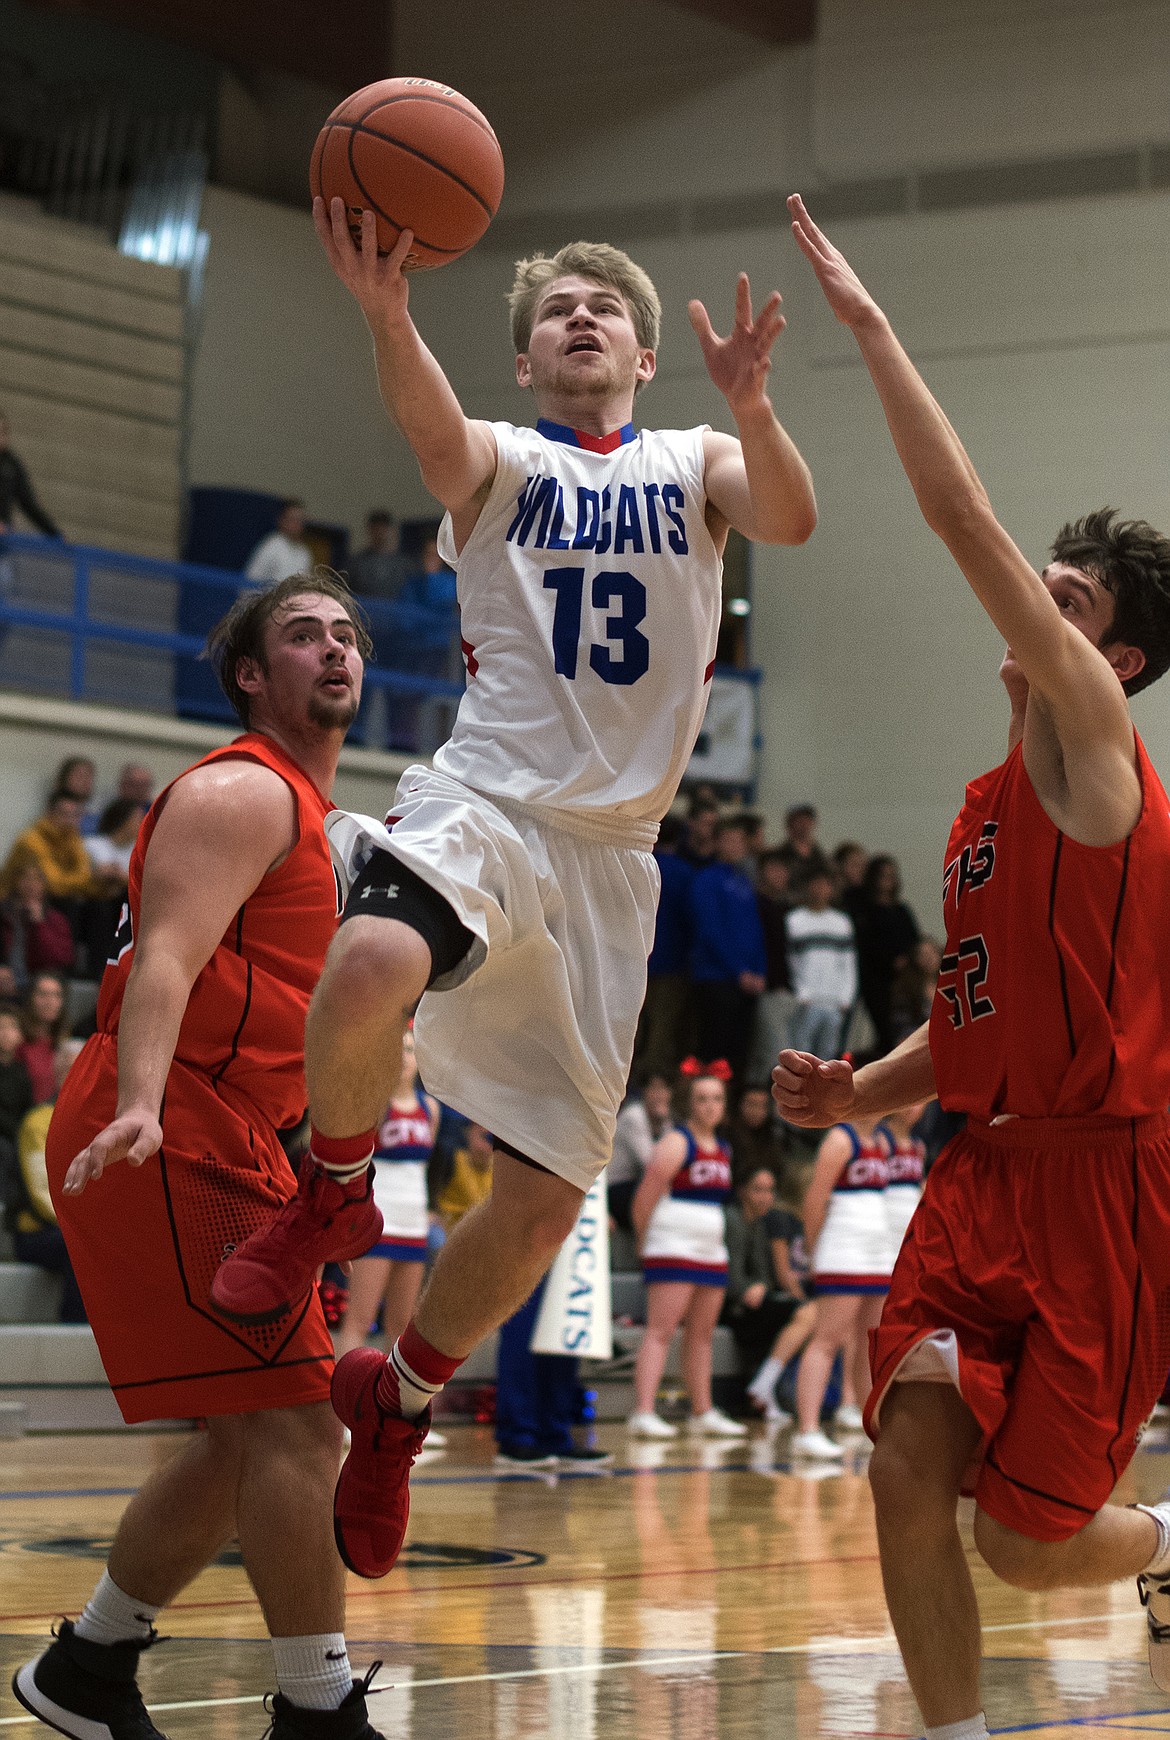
(684, 1595)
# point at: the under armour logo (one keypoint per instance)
(390, 891)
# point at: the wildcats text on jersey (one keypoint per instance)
(635, 523)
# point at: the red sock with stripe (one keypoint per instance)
(345, 1158)
(414, 1373)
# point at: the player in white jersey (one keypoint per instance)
(514, 882)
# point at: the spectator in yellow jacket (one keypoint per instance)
(54, 843)
(471, 1177)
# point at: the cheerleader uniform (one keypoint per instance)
(405, 1141)
(853, 1253)
(904, 1191)
(685, 1239)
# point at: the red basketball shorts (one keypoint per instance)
(1035, 1275)
(145, 1242)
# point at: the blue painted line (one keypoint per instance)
(76, 1492)
(1081, 1721)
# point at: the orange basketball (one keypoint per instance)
(421, 158)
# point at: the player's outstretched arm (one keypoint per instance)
(813, 1093)
(1059, 663)
(456, 455)
(760, 484)
(222, 828)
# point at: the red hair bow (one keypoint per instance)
(719, 1068)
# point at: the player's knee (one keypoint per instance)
(892, 1480)
(305, 1434)
(554, 1220)
(1017, 1559)
(373, 962)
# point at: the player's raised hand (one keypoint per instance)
(739, 363)
(134, 1137)
(376, 281)
(846, 295)
(812, 1093)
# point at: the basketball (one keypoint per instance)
(421, 158)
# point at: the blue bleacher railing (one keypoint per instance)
(102, 625)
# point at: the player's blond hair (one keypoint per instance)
(601, 264)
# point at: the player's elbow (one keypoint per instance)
(962, 518)
(794, 525)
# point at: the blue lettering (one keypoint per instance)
(522, 503)
(543, 502)
(555, 540)
(629, 528)
(650, 491)
(588, 518)
(577, 1339)
(604, 531)
(677, 539)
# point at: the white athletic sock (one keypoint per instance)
(313, 1672)
(764, 1381)
(1159, 1565)
(112, 1616)
(974, 1728)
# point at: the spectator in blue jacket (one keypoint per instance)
(729, 961)
(665, 1029)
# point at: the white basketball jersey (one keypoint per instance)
(590, 598)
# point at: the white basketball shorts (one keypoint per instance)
(532, 1034)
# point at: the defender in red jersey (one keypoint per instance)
(1024, 1339)
(196, 1065)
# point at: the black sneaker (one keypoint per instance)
(348, 1722)
(525, 1456)
(87, 1690)
(583, 1456)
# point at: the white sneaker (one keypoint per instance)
(1155, 1598)
(647, 1425)
(849, 1417)
(435, 1440)
(714, 1424)
(816, 1445)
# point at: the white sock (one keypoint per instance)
(974, 1728)
(1159, 1565)
(313, 1672)
(112, 1616)
(764, 1382)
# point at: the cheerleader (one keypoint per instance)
(677, 1214)
(907, 1171)
(847, 1231)
(390, 1274)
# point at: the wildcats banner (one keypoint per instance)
(575, 1315)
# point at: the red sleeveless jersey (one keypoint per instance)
(245, 1018)
(1054, 995)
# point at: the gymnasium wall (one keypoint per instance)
(1042, 322)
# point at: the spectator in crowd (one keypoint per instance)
(284, 551)
(849, 865)
(109, 851)
(380, 570)
(642, 1121)
(886, 934)
(538, 1400)
(432, 584)
(697, 847)
(33, 935)
(774, 1009)
(800, 848)
(790, 1261)
(728, 958)
(823, 962)
(665, 1027)
(754, 826)
(678, 1220)
(54, 842)
(17, 1099)
(914, 987)
(16, 490)
(136, 782)
(45, 1023)
(36, 1237)
(76, 777)
(761, 1308)
(756, 1139)
(471, 1177)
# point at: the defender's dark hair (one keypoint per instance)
(240, 634)
(1132, 561)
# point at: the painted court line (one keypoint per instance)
(839, 1646)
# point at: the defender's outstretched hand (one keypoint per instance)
(812, 1093)
(377, 282)
(133, 1138)
(846, 295)
(739, 363)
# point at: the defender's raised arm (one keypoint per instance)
(456, 455)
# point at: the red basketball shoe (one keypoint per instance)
(262, 1279)
(371, 1502)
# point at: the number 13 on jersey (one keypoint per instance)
(624, 655)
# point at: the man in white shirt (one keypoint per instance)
(822, 955)
(283, 552)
